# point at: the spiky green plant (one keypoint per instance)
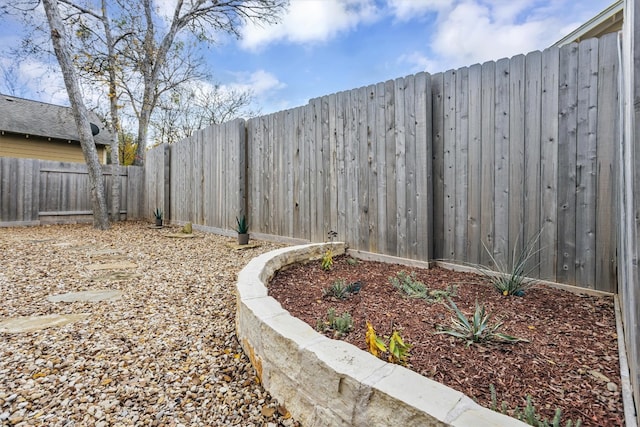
(512, 277)
(242, 225)
(341, 325)
(337, 290)
(477, 329)
(529, 415)
(410, 285)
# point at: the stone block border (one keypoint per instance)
(325, 382)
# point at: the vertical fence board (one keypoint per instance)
(437, 108)
(549, 163)
(326, 164)
(607, 135)
(516, 153)
(5, 190)
(411, 185)
(341, 190)
(351, 168)
(287, 152)
(381, 164)
(501, 197)
(423, 166)
(449, 167)
(391, 242)
(532, 176)
(461, 159)
(567, 127)
(308, 189)
(333, 163)
(363, 213)
(401, 167)
(586, 151)
(311, 141)
(474, 177)
(487, 192)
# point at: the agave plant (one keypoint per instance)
(337, 290)
(243, 227)
(477, 329)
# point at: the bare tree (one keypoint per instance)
(62, 51)
(152, 53)
(187, 109)
(200, 18)
(106, 71)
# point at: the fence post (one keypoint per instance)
(243, 167)
(628, 273)
(166, 197)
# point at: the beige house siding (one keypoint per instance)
(33, 147)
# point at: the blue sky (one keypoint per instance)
(326, 46)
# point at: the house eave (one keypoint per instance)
(602, 23)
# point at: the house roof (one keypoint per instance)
(27, 117)
(607, 21)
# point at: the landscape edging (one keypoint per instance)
(325, 382)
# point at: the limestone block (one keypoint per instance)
(250, 287)
(483, 417)
(282, 339)
(408, 399)
(337, 370)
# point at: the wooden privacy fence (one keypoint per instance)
(526, 146)
(354, 162)
(36, 192)
(426, 166)
(200, 179)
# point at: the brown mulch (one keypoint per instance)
(570, 361)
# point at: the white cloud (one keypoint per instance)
(259, 82)
(409, 9)
(417, 62)
(475, 32)
(311, 21)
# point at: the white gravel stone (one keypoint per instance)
(161, 354)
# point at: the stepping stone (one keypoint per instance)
(111, 266)
(114, 276)
(181, 235)
(101, 252)
(64, 244)
(92, 296)
(35, 323)
(238, 247)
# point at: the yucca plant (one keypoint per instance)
(477, 329)
(512, 277)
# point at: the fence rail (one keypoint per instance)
(41, 192)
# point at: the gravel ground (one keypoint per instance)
(165, 354)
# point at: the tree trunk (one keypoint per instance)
(115, 118)
(99, 203)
